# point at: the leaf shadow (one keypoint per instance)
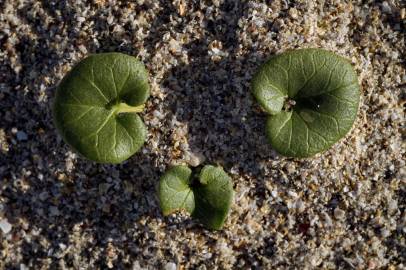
(212, 95)
(45, 194)
(100, 203)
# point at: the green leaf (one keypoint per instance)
(174, 191)
(207, 198)
(214, 195)
(323, 92)
(96, 107)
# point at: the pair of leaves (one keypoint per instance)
(325, 90)
(96, 103)
(207, 198)
(96, 107)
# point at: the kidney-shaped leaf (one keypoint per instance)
(213, 196)
(96, 107)
(174, 190)
(208, 198)
(323, 91)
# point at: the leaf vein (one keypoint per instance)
(303, 68)
(80, 117)
(272, 85)
(95, 87)
(114, 78)
(128, 134)
(115, 139)
(290, 134)
(340, 99)
(287, 79)
(331, 117)
(311, 76)
(321, 136)
(79, 105)
(75, 98)
(283, 125)
(101, 126)
(330, 76)
(184, 201)
(125, 82)
(307, 141)
(175, 194)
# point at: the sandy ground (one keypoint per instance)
(343, 209)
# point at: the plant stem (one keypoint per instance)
(125, 108)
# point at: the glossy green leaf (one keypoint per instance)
(323, 92)
(96, 107)
(174, 190)
(208, 197)
(213, 196)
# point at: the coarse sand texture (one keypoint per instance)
(343, 208)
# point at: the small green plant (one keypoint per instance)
(207, 195)
(312, 97)
(96, 107)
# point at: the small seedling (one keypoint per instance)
(96, 107)
(207, 195)
(312, 97)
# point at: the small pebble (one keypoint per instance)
(54, 211)
(5, 226)
(43, 196)
(339, 214)
(21, 136)
(386, 7)
(62, 246)
(137, 266)
(170, 266)
(194, 159)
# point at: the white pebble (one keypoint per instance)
(392, 206)
(170, 266)
(62, 246)
(194, 159)
(5, 226)
(386, 8)
(327, 220)
(110, 19)
(137, 266)
(292, 194)
(82, 49)
(385, 233)
(174, 46)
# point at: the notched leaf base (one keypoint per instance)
(207, 197)
(312, 98)
(96, 107)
